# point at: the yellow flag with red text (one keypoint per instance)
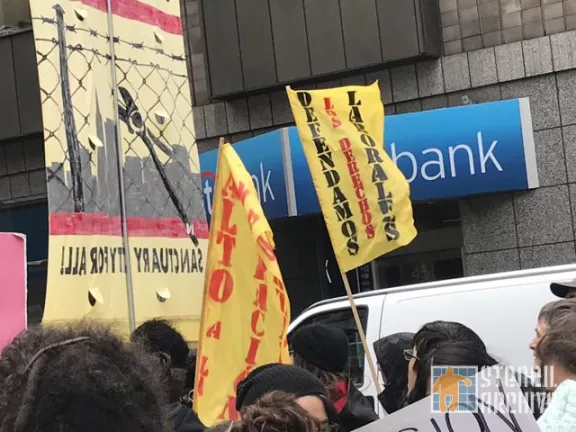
(246, 311)
(364, 197)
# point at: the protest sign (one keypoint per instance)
(246, 310)
(364, 197)
(13, 286)
(128, 231)
(498, 406)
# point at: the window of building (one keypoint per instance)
(344, 319)
(14, 14)
(434, 255)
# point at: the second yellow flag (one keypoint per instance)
(364, 197)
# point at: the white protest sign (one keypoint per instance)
(499, 406)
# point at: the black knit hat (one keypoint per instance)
(277, 377)
(322, 345)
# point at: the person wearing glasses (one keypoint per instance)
(161, 339)
(394, 369)
(442, 343)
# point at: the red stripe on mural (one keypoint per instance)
(137, 11)
(106, 225)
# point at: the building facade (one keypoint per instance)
(426, 55)
(485, 50)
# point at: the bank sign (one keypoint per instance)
(445, 153)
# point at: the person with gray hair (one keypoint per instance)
(555, 352)
(552, 317)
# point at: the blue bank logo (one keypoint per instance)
(440, 163)
(446, 153)
(266, 170)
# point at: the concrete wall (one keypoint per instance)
(468, 25)
(502, 232)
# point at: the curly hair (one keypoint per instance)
(163, 340)
(275, 412)
(78, 378)
(160, 337)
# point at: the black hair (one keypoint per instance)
(442, 343)
(460, 353)
(163, 340)
(443, 331)
(160, 337)
(78, 378)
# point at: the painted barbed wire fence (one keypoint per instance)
(161, 178)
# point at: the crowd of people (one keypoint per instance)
(83, 377)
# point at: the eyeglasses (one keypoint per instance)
(408, 355)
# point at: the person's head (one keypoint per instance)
(565, 290)
(442, 343)
(161, 339)
(322, 350)
(556, 349)
(553, 317)
(276, 412)
(308, 390)
(433, 333)
(394, 368)
(158, 336)
(78, 378)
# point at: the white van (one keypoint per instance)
(502, 308)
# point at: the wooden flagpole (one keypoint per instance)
(371, 364)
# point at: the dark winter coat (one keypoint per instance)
(184, 419)
(353, 408)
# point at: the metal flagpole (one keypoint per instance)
(127, 254)
(288, 172)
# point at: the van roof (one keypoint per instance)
(452, 282)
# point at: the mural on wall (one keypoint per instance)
(147, 126)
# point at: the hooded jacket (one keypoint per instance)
(560, 416)
(390, 357)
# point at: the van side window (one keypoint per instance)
(344, 319)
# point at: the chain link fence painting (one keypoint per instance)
(128, 231)
(161, 179)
